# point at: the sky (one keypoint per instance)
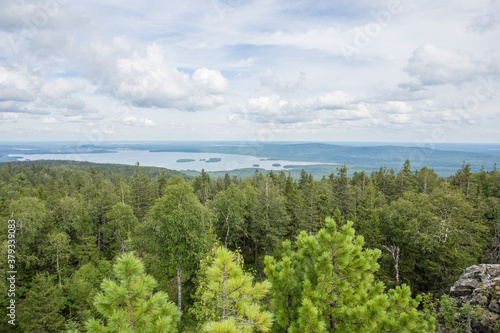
(250, 70)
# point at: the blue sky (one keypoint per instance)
(250, 70)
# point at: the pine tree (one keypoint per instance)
(141, 193)
(120, 223)
(41, 310)
(327, 284)
(268, 219)
(202, 186)
(82, 287)
(405, 178)
(161, 183)
(129, 304)
(231, 293)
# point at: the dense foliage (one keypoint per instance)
(346, 238)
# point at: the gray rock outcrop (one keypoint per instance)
(480, 285)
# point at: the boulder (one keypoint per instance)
(480, 285)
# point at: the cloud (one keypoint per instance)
(8, 117)
(396, 107)
(432, 65)
(210, 80)
(335, 100)
(60, 88)
(134, 121)
(266, 109)
(323, 39)
(49, 120)
(18, 84)
(325, 109)
(19, 90)
(147, 81)
(488, 20)
(68, 65)
(31, 92)
(400, 119)
(269, 79)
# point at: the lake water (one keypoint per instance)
(169, 160)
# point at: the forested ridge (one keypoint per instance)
(354, 252)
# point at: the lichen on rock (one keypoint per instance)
(480, 285)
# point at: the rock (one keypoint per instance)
(494, 307)
(480, 285)
(464, 287)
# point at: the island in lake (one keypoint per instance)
(213, 159)
(185, 160)
(255, 165)
(276, 165)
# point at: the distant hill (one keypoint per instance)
(357, 158)
(127, 170)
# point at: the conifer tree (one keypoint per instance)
(231, 293)
(129, 304)
(141, 193)
(41, 310)
(120, 223)
(327, 284)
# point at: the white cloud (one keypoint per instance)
(489, 19)
(210, 80)
(335, 100)
(256, 55)
(147, 81)
(31, 92)
(434, 66)
(324, 39)
(400, 119)
(18, 84)
(8, 117)
(269, 79)
(325, 109)
(49, 120)
(397, 107)
(134, 121)
(60, 88)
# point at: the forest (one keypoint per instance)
(107, 248)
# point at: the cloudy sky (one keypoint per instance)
(250, 70)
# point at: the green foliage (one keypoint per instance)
(120, 222)
(81, 289)
(327, 284)
(41, 310)
(177, 231)
(268, 220)
(142, 193)
(439, 235)
(74, 217)
(177, 227)
(129, 304)
(31, 218)
(455, 317)
(231, 298)
(57, 250)
(229, 211)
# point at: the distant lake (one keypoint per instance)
(169, 160)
